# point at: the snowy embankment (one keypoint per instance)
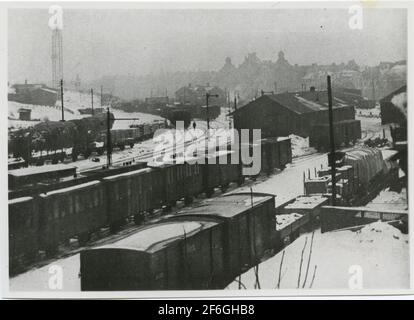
(379, 253)
(73, 101)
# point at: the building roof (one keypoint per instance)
(389, 97)
(302, 102)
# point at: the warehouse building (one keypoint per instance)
(196, 95)
(290, 113)
(37, 94)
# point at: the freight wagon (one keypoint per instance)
(23, 231)
(198, 248)
(171, 255)
(77, 210)
(345, 133)
(249, 223)
(276, 153)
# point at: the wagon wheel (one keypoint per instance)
(83, 238)
(55, 159)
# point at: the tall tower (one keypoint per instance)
(57, 57)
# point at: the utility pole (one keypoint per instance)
(92, 100)
(332, 140)
(61, 99)
(208, 95)
(101, 96)
(108, 139)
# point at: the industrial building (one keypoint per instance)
(196, 95)
(37, 94)
(290, 113)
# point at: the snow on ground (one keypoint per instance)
(390, 200)
(73, 101)
(371, 127)
(287, 184)
(40, 113)
(380, 250)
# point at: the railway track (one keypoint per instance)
(213, 125)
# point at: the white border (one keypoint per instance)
(235, 294)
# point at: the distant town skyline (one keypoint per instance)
(139, 42)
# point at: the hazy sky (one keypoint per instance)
(109, 42)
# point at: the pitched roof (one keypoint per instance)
(302, 102)
(392, 94)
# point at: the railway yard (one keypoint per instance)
(280, 211)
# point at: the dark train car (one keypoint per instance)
(285, 152)
(219, 171)
(345, 132)
(249, 227)
(174, 181)
(72, 212)
(33, 175)
(23, 231)
(173, 255)
(276, 153)
(128, 195)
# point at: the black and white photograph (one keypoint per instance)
(186, 149)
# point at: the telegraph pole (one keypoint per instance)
(61, 99)
(101, 95)
(208, 95)
(108, 139)
(332, 140)
(92, 100)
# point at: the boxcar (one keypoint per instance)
(249, 227)
(171, 255)
(71, 212)
(33, 175)
(218, 171)
(128, 195)
(285, 152)
(23, 231)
